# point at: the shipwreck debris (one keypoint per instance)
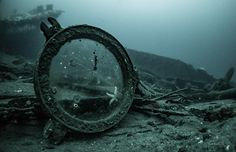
(22, 103)
(19, 29)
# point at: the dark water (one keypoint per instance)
(201, 33)
(179, 48)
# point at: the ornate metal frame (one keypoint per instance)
(56, 38)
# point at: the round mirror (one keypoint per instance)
(85, 79)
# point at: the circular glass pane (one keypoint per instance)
(86, 80)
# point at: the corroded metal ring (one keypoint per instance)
(42, 82)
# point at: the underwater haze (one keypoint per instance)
(198, 32)
(168, 86)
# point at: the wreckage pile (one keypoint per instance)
(174, 115)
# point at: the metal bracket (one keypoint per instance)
(50, 31)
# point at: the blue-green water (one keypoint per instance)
(201, 33)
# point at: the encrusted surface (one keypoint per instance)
(42, 82)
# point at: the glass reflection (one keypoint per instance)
(85, 78)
